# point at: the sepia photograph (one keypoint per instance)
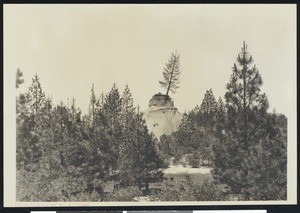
(149, 104)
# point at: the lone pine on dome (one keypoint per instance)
(171, 74)
(162, 117)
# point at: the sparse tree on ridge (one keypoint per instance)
(171, 74)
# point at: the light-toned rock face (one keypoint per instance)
(162, 117)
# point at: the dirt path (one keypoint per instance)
(179, 169)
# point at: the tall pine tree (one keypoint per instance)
(245, 140)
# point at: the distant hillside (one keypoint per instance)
(161, 116)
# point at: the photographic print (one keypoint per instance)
(149, 104)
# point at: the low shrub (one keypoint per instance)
(124, 194)
(189, 190)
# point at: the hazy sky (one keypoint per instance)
(72, 46)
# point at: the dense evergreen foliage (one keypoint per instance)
(194, 138)
(109, 155)
(244, 143)
(70, 156)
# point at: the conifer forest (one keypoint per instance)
(234, 146)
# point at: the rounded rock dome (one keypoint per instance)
(161, 100)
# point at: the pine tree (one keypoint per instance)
(19, 78)
(74, 134)
(182, 143)
(246, 141)
(62, 124)
(92, 107)
(147, 162)
(112, 112)
(221, 106)
(36, 99)
(47, 136)
(23, 131)
(221, 117)
(209, 103)
(164, 147)
(208, 109)
(33, 104)
(127, 143)
(171, 74)
(22, 114)
(244, 100)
